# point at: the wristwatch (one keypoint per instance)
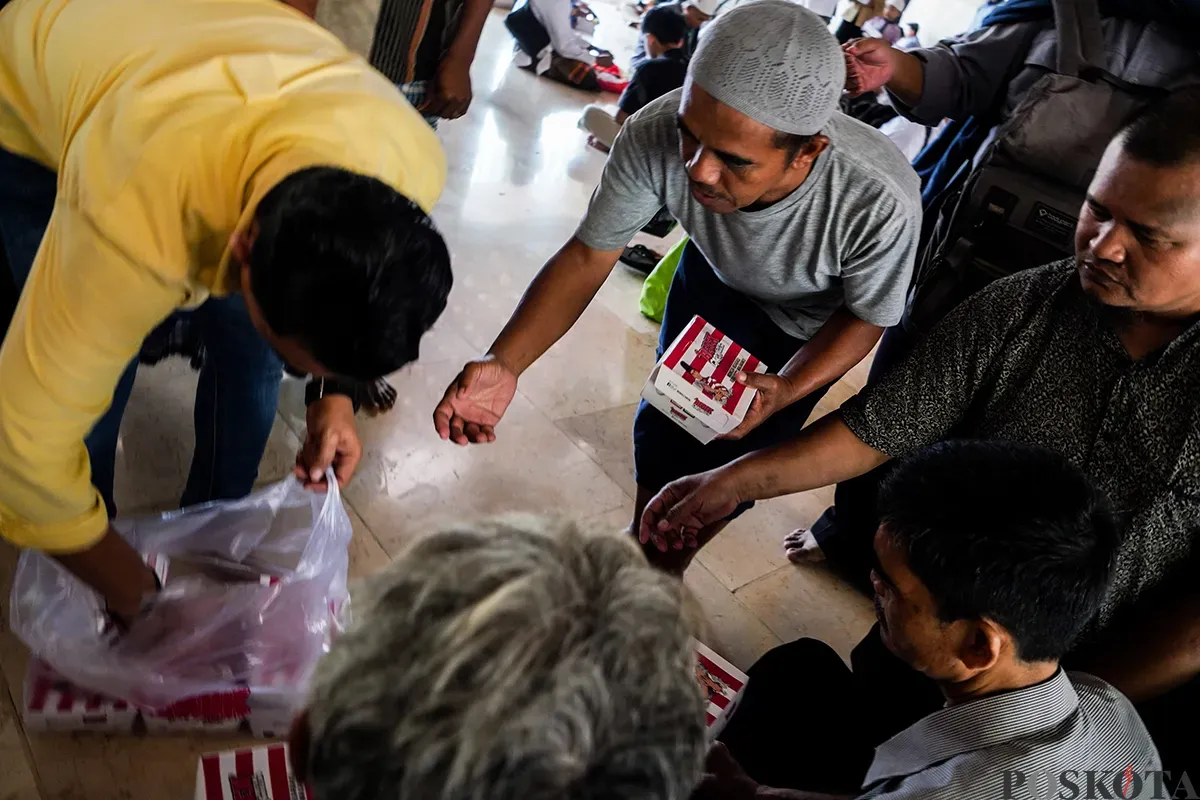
(319, 387)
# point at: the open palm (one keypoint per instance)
(475, 402)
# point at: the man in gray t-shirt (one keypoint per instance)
(803, 227)
(845, 238)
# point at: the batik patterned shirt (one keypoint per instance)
(1032, 359)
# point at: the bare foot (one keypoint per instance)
(802, 548)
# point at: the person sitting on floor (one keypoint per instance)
(909, 41)
(887, 26)
(852, 15)
(512, 659)
(1097, 356)
(695, 14)
(989, 560)
(549, 43)
(664, 32)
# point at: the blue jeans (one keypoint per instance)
(238, 390)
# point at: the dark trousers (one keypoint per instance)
(238, 390)
(663, 451)
(847, 31)
(808, 722)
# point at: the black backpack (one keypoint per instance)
(1018, 206)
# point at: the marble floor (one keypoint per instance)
(520, 177)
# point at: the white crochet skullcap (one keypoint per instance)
(775, 62)
(706, 7)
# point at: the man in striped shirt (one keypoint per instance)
(990, 560)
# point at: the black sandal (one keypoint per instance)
(641, 258)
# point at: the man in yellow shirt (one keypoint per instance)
(223, 166)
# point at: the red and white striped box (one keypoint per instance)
(723, 683)
(257, 773)
(693, 383)
(52, 704)
(216, 712)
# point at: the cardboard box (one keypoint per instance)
(693, 383)
(217, 712)
(52, 704)
(722, 682)
(264, 705)
(258, 773)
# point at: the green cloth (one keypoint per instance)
(653, 301)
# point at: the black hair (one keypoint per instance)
(916, 28)
(350, 268)
(791, 142)
(1005, 531)
(665, 23)
(1166, 133)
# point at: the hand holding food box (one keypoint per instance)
(694, 383)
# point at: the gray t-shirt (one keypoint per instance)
(846, 236)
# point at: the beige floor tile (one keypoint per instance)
(410, 481)
(607, 437)
(17, 780)
(367, 556)
(623, 289)
(809, 600)
(444, 343)
(734, 631)
(752, 545)
(601, 363)
(17, 776)
(478, 309)
(613, 521)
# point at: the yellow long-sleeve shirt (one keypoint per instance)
(166, 121)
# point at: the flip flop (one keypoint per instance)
(641, 258)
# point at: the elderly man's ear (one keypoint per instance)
(299, 739)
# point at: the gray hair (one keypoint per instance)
(513, 659)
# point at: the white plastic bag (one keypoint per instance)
(202, 635)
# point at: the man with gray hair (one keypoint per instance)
(514, 659)
(803, 227)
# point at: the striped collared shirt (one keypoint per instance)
(411, 36)
(1003, 746)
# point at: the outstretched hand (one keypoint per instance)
(475, 402)
(677, 513)
(869, 65)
